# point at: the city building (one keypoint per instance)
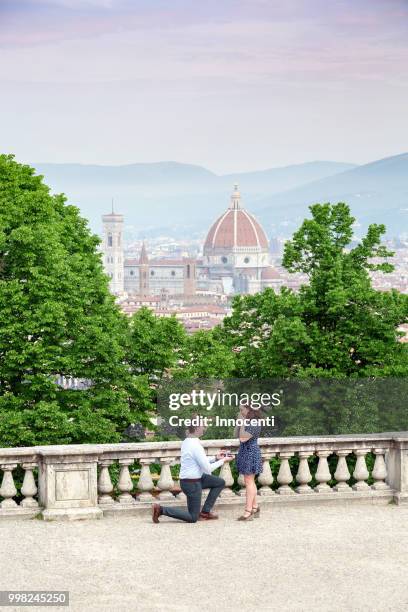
(151, 277)
(235, 259)
(236, 252)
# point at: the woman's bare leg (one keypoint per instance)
(250, 491)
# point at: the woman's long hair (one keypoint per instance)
(252, 413)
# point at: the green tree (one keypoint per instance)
(352, 327)
(206, 355)
(337, 325)
(156, 344)
(57, 318)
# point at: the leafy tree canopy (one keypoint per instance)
(156, 344)
(206, 355)
(57, 318)
(337, 325)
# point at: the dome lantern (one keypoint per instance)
(235, 198)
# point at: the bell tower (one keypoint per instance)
(143, 272)
(112, 247)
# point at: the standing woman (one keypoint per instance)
(249, 460)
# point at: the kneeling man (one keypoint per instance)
(195, 475)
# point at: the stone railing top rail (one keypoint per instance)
(172, 448)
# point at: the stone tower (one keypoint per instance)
(189, 277)
(143, 272)
(112, 247)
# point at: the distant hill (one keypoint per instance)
(171, 196)
(377, 193)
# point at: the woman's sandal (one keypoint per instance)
(256, 512)
(246, 518)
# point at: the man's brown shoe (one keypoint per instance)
(208, 516)
(156, 512)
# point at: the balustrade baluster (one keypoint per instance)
(105, 486)
(241, 482)
(323, 473)
(226, 474)
(181, 496)
(8, 489)
(379, 471)
(165, 483)
(303, 475)
(145, 484)
(285, 476)
(361, 472)
(342, 473)
(125, 483)
(29, 488)
(265, 478)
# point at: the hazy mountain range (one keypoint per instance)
(376, 192)
(182, 199)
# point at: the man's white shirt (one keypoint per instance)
(194, 462)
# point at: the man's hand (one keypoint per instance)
(229, 457)
(223, 455)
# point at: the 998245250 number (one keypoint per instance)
(34, 598)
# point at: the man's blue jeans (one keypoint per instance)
(193, 491)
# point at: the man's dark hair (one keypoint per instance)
(192, 428)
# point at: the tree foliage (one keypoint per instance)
(156, 344)
(336, 327)
(57, 318)
(206, 355)
(337, 324)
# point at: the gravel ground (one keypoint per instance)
(348, 558)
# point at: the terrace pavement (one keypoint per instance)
(330, 558)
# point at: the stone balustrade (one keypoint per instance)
(89, 481)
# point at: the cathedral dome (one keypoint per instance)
(235, 228)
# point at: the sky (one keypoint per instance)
(232, 85)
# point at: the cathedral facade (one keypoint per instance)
(235, 259)
(142, 276)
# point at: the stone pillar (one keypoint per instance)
(361, 472)
(285, 475)
(379, 471)
(29, 488)
(241, 482)
(145, 484)
(8, 488)
(125, 483)
(342, 474)
(397, 468)
(165, 483)
(105, 486)
(303, 475)
(265, 478)
(226, 474)
(180, 496)
(67, 482)
(323, 473)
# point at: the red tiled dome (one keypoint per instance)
(236, 228)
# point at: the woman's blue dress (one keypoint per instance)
(249, 460)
